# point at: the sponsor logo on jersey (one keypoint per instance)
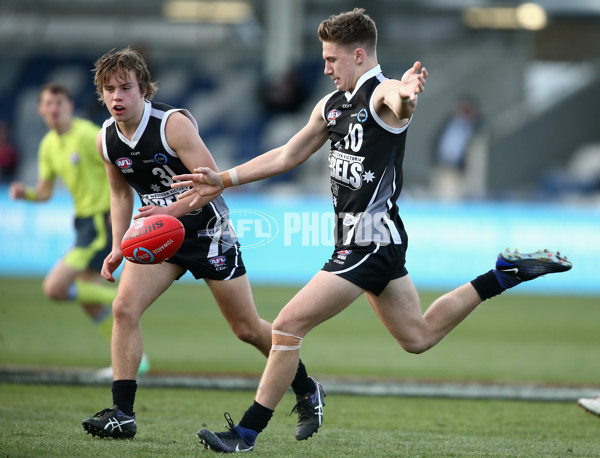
(346, 169)
(347, 105)
(350, 219)
(362, 115)
(124, 163)
(161, 199)
(333, 115)
(135, 153)
(75, 159)
(214, 232)
(160, 158)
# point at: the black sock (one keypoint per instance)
(124, 395)
(256, 417)
(302, 383)
(487, 285)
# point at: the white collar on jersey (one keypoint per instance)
(370, 74)
(140, 129)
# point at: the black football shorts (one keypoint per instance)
(370, 267)
(196, 255)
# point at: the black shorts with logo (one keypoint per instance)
(370, 267)
(194, 256)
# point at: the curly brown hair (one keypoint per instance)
(121, 63)
(350, 28)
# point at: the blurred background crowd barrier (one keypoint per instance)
(286, 239)
(250, 71)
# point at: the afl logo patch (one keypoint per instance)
(218, 261)
(333, 114)
(344, 252)
(160, 158)
(362, 115)
(124, 163)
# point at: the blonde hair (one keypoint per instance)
(121, 63)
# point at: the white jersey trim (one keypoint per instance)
(105, 126)
(382, 124)
(140, 129)
(323, 114)
(365, 76)
(164, 116)
(237, 263)
(393, 230)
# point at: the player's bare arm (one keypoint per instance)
(183, 138)
(207, 182)
(395, 100)
(121, 208)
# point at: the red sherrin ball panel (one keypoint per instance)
(153, 239)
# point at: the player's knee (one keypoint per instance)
(415, 347)
(55, 291)
(246, 334)
(282, 323)
(123, 312)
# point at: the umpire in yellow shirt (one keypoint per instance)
(68, 151)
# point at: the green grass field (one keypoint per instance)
(513, 338)
(46, 421)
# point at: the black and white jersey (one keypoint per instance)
(365, 164)
(148, 164)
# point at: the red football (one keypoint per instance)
(153, 239)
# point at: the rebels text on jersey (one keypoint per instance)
(148, 164)
(365, 164)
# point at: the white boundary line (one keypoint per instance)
(360, 387)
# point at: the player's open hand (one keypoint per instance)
(413, 82)
(204, 182)
(150, 210)
(110, 264)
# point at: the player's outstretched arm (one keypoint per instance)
(207, 182)
(400, 96)
(203, 182)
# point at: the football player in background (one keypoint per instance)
(68, 152)
(365, 120)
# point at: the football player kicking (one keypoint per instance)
(143, 145)
(366, 120)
